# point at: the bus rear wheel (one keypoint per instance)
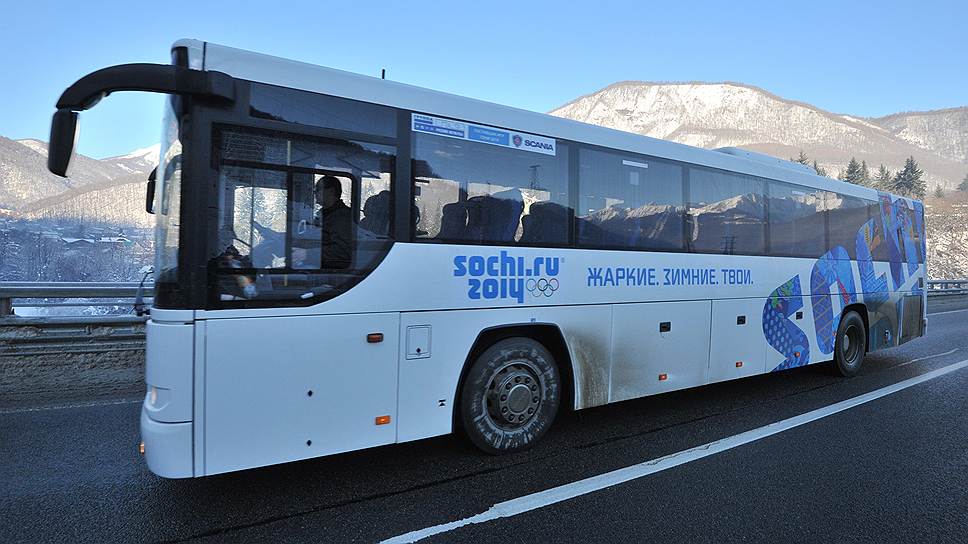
(510, 396)
(850, 345)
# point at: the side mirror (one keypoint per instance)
(63, 132)
(150, 192)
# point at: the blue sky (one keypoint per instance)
(862, 58)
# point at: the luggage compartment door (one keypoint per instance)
(738, 347)
(658, 347)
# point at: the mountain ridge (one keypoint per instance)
(729, 113)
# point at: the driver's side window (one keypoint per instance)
(299, 219)
(252, 232)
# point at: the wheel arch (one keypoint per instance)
(548, 334)
(861, 310)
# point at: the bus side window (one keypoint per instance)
(727, 211)
(629, 201)
(472, 192)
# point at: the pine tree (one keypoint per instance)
(938, 192)
(821, 171)
(963, 186)
(865, 174)
(908, 181)
(883, 178)
(802, 159)
(853, 173)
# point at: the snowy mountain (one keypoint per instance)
(138, 161)
(943, 131)
(106, 190)
(733, 114)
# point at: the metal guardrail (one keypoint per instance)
(69, 294)
(107, 294)
(948, 287)
(58, 335)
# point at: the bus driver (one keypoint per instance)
(335, 220)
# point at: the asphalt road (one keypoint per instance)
(892, 470)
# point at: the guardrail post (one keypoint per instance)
(6, 306)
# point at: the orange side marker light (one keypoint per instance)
(374, 337)
(663, 377)
(739, 364)
(382, 420)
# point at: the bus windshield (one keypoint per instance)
(167, 206)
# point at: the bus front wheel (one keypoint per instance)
(510, 396)
(850, 345)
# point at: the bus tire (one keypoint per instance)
(850, 345)
(510, 396)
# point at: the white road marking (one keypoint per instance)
(66, 406)
(925, 357)
(565, 492)
(949, 312)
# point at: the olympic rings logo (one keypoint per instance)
(542, 286)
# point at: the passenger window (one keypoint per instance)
(727, 213)
(797, 221)
(629, 201)
(847, 214)
(472, 192)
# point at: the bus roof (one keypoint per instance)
(282, 72)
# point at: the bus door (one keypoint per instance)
(296, 383)
(285, 388)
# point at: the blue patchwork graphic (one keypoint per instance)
(919, 227)
(905, 224)
(833, 270)
(784, 335)
(874, 287)
(889, 224)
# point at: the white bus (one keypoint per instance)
(345, 262)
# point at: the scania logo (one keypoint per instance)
(517, 140)
(543, 145)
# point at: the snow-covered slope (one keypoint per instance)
(25, 183)
(139, 160)
(732, 114)
(943, 131)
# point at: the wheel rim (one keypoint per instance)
(513, 395)
(850, 345)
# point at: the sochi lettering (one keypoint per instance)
(505, 277)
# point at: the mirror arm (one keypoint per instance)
(156, 78)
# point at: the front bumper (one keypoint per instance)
(168, 447)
